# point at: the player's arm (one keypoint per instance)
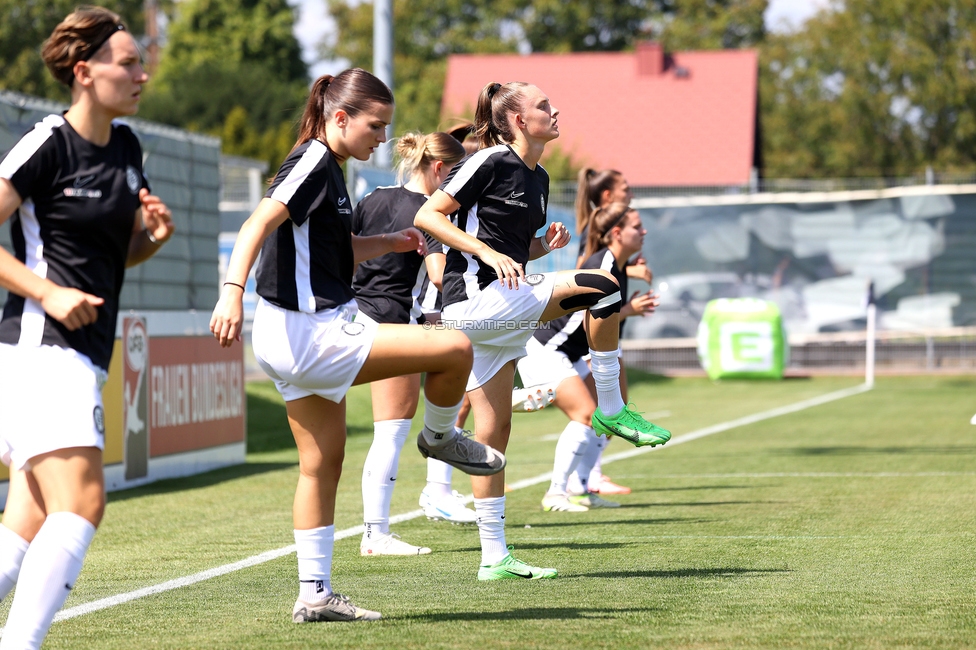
(228, 316)
(70, 307)
(433, 218)
(402, 241)
(435, 263)
(556, 236)
(152, 228)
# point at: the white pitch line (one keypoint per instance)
(267, 556)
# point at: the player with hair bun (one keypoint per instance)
(402, 288)
(81, 213)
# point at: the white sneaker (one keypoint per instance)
(334, 608)
(390, 545)
(561, 503)
(592, 500)
(447, 508)
(529, 400)
(973, 420)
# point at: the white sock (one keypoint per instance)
(314, 550)
(439, 422)
(569, 450)
(491, 528)
(588, 460)
(380, 473)
(605, 367)
(438, 479)
(596, 474)
(51, 566)
(12, 549)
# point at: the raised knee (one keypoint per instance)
(603, 301)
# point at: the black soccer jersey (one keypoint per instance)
(388, 287)
(307, 263)
(566, 333)
(503, 204)
(73, 227)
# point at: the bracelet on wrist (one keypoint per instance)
(239, 286)
(545, 244)
(150, 236)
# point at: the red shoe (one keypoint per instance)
(609, 487)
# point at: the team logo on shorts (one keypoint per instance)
(353, 329)
(132, 179)
(98, 415)
(534, 278)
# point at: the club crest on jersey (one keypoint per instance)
(132, 179)
(534, 278)
(353, 329)
(98, 415)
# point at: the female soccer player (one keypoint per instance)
(304, 335)
(596, 189)
(500, 194)
(82, 213)
(556, 354)
(389, 289)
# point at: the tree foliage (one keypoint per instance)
(872, 88)
(232, 68)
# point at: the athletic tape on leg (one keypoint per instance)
(602, 303)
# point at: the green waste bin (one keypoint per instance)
(742, 338)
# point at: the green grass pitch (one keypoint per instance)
(846, 525)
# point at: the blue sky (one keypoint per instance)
(313, 25)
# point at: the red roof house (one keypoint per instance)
(687, 118)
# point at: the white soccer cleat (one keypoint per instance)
(390, 545)
(561, 503)
(447, 508)
(530, 400)
(592, 500)
(973, 420)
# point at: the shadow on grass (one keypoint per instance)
(623, 521)
(719, 572)
(934, 450)
(535, 546)
(526, 614)
(680, 504)
(636, 377)
(692, 487)
(208, 479)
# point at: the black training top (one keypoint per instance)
(306, 264)
(388, 287)
(73, 227)
(503, 204)
(566, 333)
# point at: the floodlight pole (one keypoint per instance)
(869, 338)
(383, 63)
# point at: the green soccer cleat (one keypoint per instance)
(508, 568)
(629, 425)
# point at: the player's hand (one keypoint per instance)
(644, 303)
(557, 235)
(156, 217)
(227, 320)
(640, 270)
(508, 270)
(70, 307)
(408, 239)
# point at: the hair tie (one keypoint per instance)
(492, 89)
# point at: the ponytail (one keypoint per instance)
(590, 186)
(352, 90)
(602, 221)
(495, 102)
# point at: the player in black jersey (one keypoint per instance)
(81, 213)
(556, 354)
(501, 194)
(389, 289)
(304, 334)
(598, 189)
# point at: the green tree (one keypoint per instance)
(872, 88)
(25, 25)
(714, 24)
(232, 68)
